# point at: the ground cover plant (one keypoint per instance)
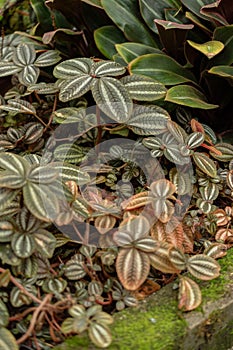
(116, 172)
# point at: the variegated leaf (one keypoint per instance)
(69, 115)
(33, 133)
(159, 259)
(13, 163)
(189, 294)
(7, 340)
(18, 298)
(12, 180)
(162, 188)
(10, 207)
(195, 139)
(100, 335)
(74, 88)
(221, 217)
(54, 285)
(40, 201)
(132, 266)
(178, 258)
(223, 234)
(108, 68)
(105, 223)
(143, 88)
(43, 88)
(146, 244)
(71, 153)
(95, 288)
(73, 68)
(70, 172)
(8, 68)
(163, 209)
(230, 179)
(4, 314)
(203, 267)
(112, 98)
(137, 201)
(24, 55)
(216, 250)
(132, 229)
(29, 75)
(6, 231)
(74, 270)
(42, 174)
(148, 120)
(182, 181)
(77, 311)
(19, 106)
(45, 242)
(5, 278)
(227, 152)
(204, 163)
(47, 58)
(27, 267)
(209, 192)
(23, 244)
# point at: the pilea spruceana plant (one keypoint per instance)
(113, 173)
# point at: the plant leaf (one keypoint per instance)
(45, 242)
(203, 267)
(29, 75)
(23, 244)
(106, 38)
(7, 340)
(8, 68)
(206, 164)
(132, 267)
(24, 55)
(150, 10)
(188, 96)
(209, 49)
(100, 335)
(189, 294)
(19, 106)
(161, 68)
(47, 58)
(74, 88)
(222, 71)
(130, 51)
(108, 68)
(159, 259)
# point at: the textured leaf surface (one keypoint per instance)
(189, 294)
(73, 67)
(206, 164)
(130, 51)
(106, 38)
(209, 49)
(203, 267)
(100, 335)
(7, 340)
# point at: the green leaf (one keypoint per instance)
(6, 199)
(45, 242)
(4, 316)
(148, 120)
(195, 6)
(125, 14)
(11, 180)
(220, 12)
(96, 3)
(206, 164)
(24, 55)
(29, 75)
(112, 98)
(13, 163)
(108, 68)
(106, 38)
(40, 201)
(75, 88)
(7, 340)
(151, 10)
(47, 58)
(189, 294)
(71, 153)
(19, 106)
(74, 270)
(225, 35)
(23, 244)
(162, 68)
(130, 51)
(227, 152)
(100, 335)
(222, 71)
(209, 49)
(70, 172)
(42, 174)
(188, 96)
(43, 88)
(195, 139)
(143, 88)
(54, 285)
(160, 260)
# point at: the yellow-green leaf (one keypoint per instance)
(209, 49)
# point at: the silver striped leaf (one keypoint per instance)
(104, 223)
(216, 250)
(73, 68)
(12, 180)
(87, 250)
(142, 88)
(205, 206)
(206, 164)
(42, 174)
(230, 179)
(203, 267)
(41, 201)
(162, 188)
(112, 98)
(107, 68)
(19, 106)
(132, 229)
(70, 153)
(8, 68)
(24, 55)
(160, 260)
(70, 172)
(45, 242)
(54, 285)
(18, 298)
(104, 318)
(80, 209)
(189, 294)
(28, 267)
(4, 314)
(23, 244)
(69, 115)
(95, 288)
(148, 120)
(77, 311)
(182, 181)
(8, 341)
(195, 139)
(43, 88)
(6, 231)
(100, 335)
(210, 133)
(7, 197)
(209, 192)
(29, 75)
(15, 135)
(33, 133)
(178, 258)
(132, 266)
(68, 325)
(8, 256)
(13, 163)
(47, 58)
(74, 270)
(10, 208)
(227, 152)
(146, 244)
(74, 88)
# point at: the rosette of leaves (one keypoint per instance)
(93, 320)
(23, 62)
(113, 96)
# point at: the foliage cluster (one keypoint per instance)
(87, 226)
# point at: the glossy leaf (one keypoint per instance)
(130, 51)
(107, 68)
(74, 88)
(225, 35)
(72, 68)
(29, 75)
(105, 223)
(162, 68)
(203, 267)
(227, 152)
(222, 71)
(160, 260)
(24, 55)
(125, 14)
(151, 10)
(4, 315)
(8, 341)
(106, 38)
(189, 294)
(23, 244)
(100, 335)
(47, 58)
(178, 258)
(8, 68)
(209, 49)
(19, 106)
(188, 96)
(132, 267)
(45, 242)
(204, 163)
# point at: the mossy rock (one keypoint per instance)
(157, 324)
